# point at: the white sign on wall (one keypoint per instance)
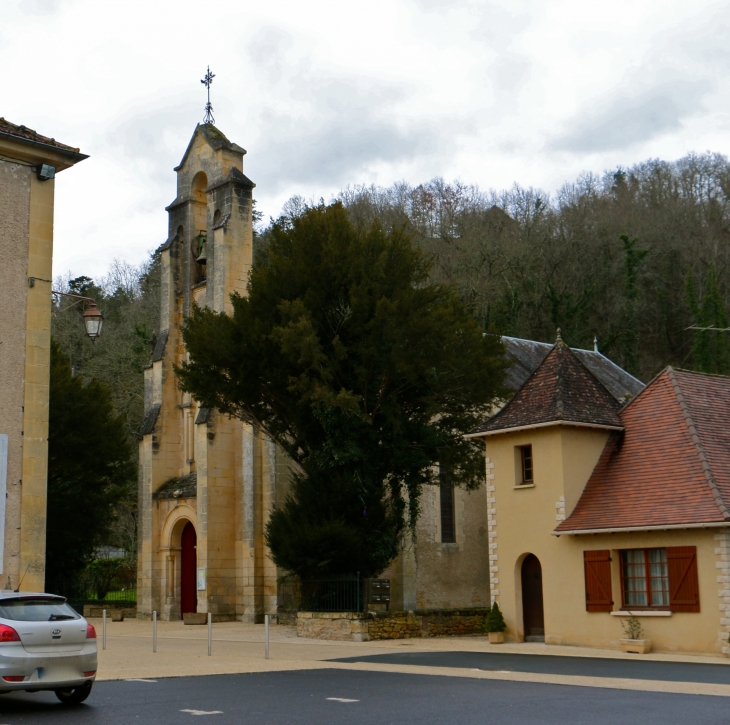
(201, 580)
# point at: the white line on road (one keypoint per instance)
(341, 699)
(204, 712)
(138, 679)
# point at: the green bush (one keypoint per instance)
(495, 620)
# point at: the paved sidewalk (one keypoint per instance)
(239, 648)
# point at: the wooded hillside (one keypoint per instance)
(633, 257)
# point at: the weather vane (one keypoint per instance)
(208, 106)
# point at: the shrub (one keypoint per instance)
(495, 620)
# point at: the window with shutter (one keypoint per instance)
(598, 580)
(684, 588)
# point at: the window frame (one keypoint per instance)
(526, 449)
(647, 581)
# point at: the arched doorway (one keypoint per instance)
(532, 610)
(188, 566)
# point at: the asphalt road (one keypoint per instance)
(718, 674)
(364, 698)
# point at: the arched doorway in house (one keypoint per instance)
(532, 609)
(188, 566)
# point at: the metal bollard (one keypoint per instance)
(103, 632)
(266, 624)
(154, 631)
(210, 633)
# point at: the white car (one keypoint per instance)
(45, 645)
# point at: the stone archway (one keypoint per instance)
(171, 565)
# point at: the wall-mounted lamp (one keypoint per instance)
(45, 172)
(93, 319)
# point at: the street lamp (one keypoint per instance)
(93, 320)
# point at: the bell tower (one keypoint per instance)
(199, 469)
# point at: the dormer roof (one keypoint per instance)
(562, 390)
(670, 467)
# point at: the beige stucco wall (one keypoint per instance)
(15, 181)
(522, 520)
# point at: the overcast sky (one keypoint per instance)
(325, 94)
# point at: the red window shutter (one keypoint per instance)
(684, 588)
(598, 580)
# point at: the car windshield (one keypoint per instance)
(36, 610)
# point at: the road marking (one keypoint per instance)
(203, 712)
(138, 679)
(341, 699)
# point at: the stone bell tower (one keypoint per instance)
(207, 481)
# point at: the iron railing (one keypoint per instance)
(337, 594)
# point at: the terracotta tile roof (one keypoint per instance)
(670, 466)
(562, 389)
(29, 134)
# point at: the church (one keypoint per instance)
(207, 482)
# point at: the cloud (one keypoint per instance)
(625, 119)
(40, 7)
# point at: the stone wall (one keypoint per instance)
(357, 627)
(342, 626)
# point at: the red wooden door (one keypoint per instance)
(532, 609)
(188, 566)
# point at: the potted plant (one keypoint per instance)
(634, 641)
(495, 625)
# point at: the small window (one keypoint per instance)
(448, 525)
(526, 462)
(645, 578)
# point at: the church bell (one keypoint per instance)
(201, 258)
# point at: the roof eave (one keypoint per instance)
(73, 156)
(639, 529)
(532, 426)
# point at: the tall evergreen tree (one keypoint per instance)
(90, 467)
(711, 348)
(364, 372)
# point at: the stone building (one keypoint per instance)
(208, 482)
(28, 164)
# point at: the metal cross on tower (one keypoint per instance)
(208, 106)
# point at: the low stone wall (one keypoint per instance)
(360, 627)
(94, 610)
(342, 626)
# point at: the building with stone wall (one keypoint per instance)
(28, 164)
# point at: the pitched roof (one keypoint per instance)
(561, 390)
(24, 133)
(526, 355)
(215, 137)
(670, 466)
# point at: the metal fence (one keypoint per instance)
(338, 594)
(94, 589)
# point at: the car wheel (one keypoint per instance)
(74, 695)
